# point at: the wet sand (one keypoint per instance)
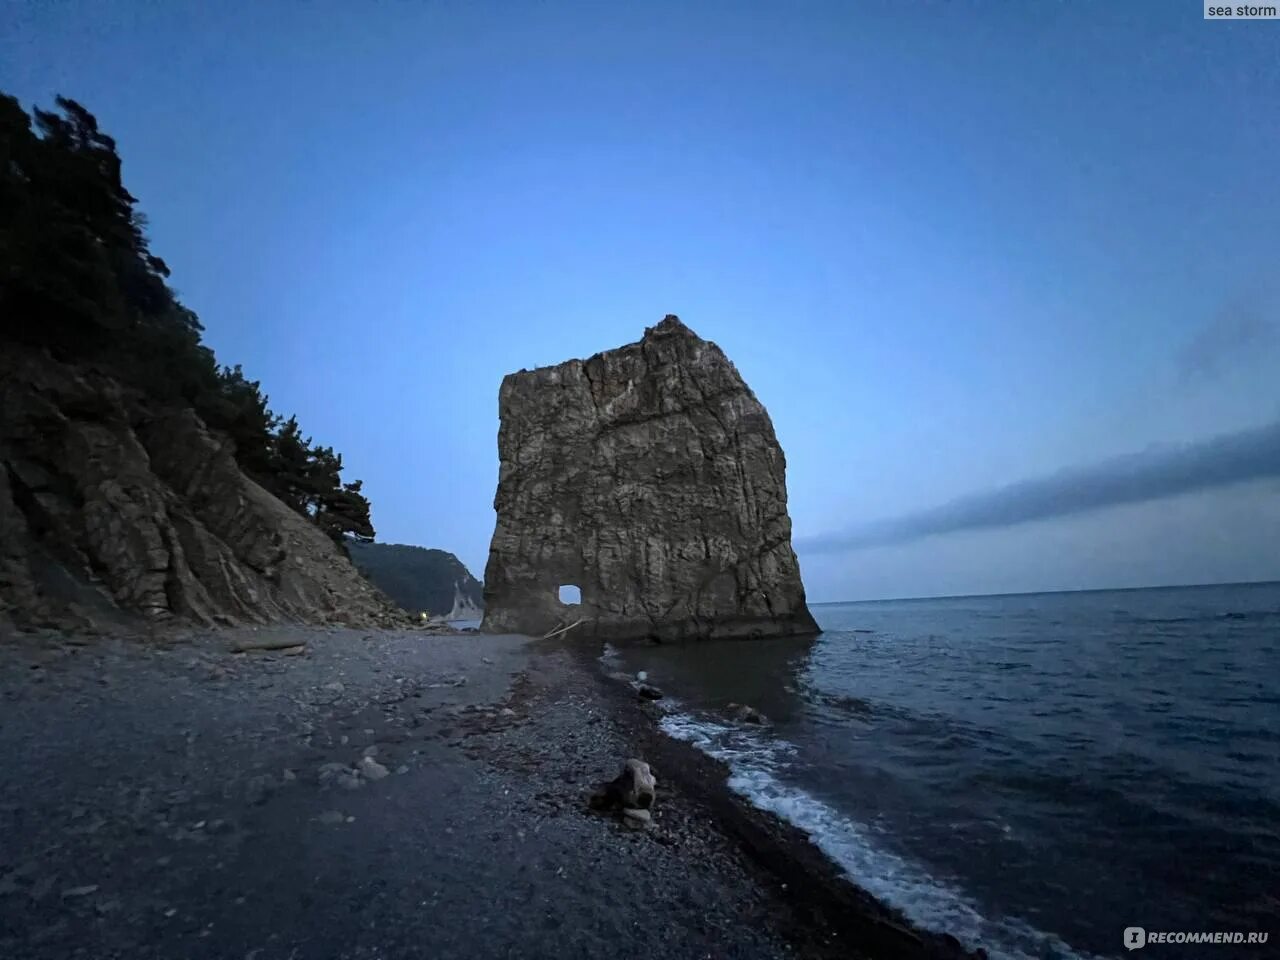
(379, 795)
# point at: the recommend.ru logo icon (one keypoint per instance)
(1134, 937)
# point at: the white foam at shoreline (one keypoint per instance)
(755, 760)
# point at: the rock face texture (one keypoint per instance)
(108, 511)
(650, 477)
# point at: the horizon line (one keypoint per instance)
(1035, 593)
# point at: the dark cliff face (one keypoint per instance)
(419, 579)
(650, 477)
(110, 509)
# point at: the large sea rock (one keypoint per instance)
(110, 510)
(650, 477)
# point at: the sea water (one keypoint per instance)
(1031, 773)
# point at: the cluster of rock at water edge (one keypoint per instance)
(631, 794)
(744, 713)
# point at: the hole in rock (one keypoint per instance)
(569, 593)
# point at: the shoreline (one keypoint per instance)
(831, 911)
(368, 793)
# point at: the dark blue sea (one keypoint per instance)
(1031, 773)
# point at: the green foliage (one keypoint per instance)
(309, 479)
(78, 279)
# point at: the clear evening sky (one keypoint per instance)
(1005, 275)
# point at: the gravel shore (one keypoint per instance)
(377, 794)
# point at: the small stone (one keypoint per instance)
(371, 750)
(344, 739)
(350, 781)
(171, 912)
(506, 712)
(637, 819)
(372, 769)
(648, 692)
(745, 714)
(294, 650)
(289, 776)
(351, 819)
(336, 686)
(330, 771)
(331, 817)
(258, 788)
(642, 676)
(486, 660)
(403, 768)
(79, 891)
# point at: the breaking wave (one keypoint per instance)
(757, 761)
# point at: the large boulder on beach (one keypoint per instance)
(635, 788)
(649, 477)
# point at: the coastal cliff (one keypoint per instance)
(111, 506)
(138, 476)
(650, 477)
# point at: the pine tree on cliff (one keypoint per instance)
(78, 278)
(238, 408)
(309, 480)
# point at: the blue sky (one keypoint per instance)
(952, 246)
